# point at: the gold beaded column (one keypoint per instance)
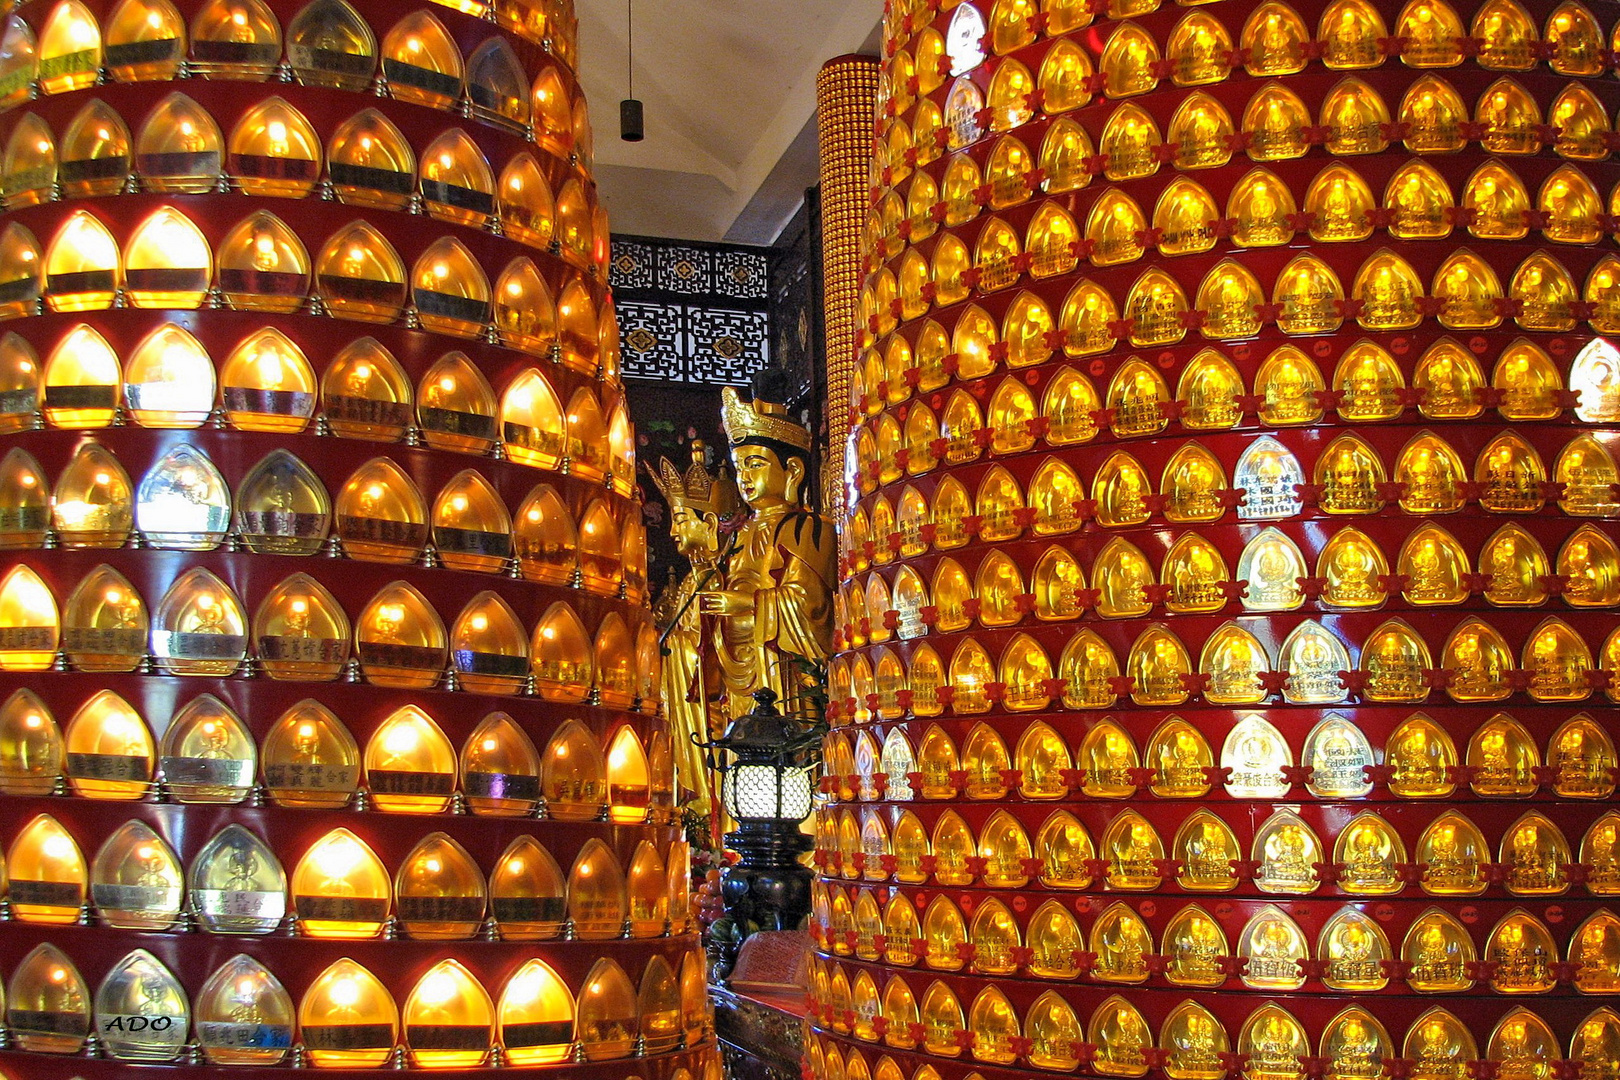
(846, 95)
(329, 718)
(1228, 660)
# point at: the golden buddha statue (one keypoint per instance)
(779, 571)
(700, 506)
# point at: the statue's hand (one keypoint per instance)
(723, 602)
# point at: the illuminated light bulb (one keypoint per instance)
(410, 765)
(525, 202)
(300, 631)
(136, 881)
(500, 768)
(31, 747)
(110, 754)
(532, 424)
(471, 527)
(281, 507)
(489, 650)
(439, 892)
(371, 163)
(95, 152)
(629, 779)
(208, 755)
(329, 44)
(235, 39)
(1421, 754)
(399, 639)
(536, 1016)
(30, 627)
(606, 1023)
(169, 380)
(365, 394)
(69, 49)
(449, 1019)
(578, 327)
(450, 290)
(263, 265)
(48, 1003)
(244, 1016)
(574, 225)
(573, 778)
(309, 758)
(340, 888)
(236, 884)
(360, 276)
(380, 514)
(267, 384)
(199, 627)
(347, 1019)
(19, 61)
(29, 167)
(455, 406)
(182, 502)
(179, 147)
(496, 84)
(422, 63)
(46, 873)
(527, 894)
(614, 662)
(146, 42)
(19, 384)
(561, 655)
(524, 314)
(81, 381)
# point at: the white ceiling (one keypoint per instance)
(730, 93)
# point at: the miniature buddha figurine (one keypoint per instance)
(699, 503)
(1286, 865)
(1355, 1050)
(1197, 1045)
(1132, 862)
(1522, 959)
(1276, 1044)
(1601, 854)
(1353, 954)
(1195, 948)
(1369, 859)
(779, 571)
(1436, 1053)
(1207, 855)
(1534, 862)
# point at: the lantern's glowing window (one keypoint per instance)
(381, 516)
(82, 381)
(347, 1018)
(179, 147)
(329, 44)
(422, 63)
(370, 162)
(82, 269)
(44, 854)
(455, 406)
(450, 290)
(400, 640)
(235, 39)
(340, 888)
(169, 380)
(69, 48)
(93, 504)
(360, 276)
(274, 151)
(167, 262)
(266, 384)
(282, 507)
(263, 265)
(29, 168)
(243, 983)
(182, 502)
(199, 627)
(439, 891)
(146, 41)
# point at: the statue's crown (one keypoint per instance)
(696, 488)
(747, 421)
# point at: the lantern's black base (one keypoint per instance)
(768, 888)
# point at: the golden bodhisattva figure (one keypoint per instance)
(778, 573)
(701, 510)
